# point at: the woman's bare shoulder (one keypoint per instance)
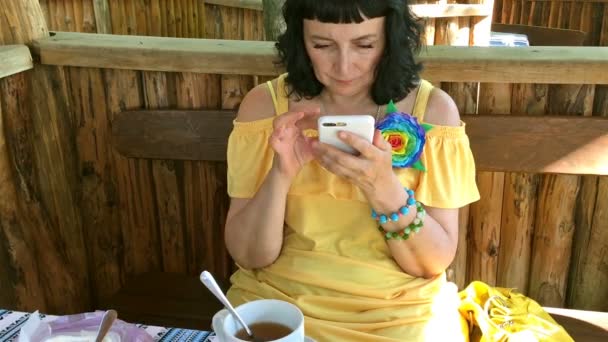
(441, 109)
(257, 104)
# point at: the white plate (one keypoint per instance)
(308, 339)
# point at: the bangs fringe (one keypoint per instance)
(340, 11)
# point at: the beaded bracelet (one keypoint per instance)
(413, 227)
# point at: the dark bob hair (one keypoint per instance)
(397, 72)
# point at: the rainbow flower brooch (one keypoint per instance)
(406, 136)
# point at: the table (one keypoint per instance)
(11, 322)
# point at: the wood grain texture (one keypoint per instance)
(138, 219)
(100, 202)
(448, 63)
(249, 4)
(14, 59)
(486, 214)
(167, 178)
(517, 227)
(588, 275)
(274, 24)
(499, 142)
(103, 20)
(40, 208)
(484, 242)
(451, 10)
(519, 201)
(589, 17)
(553, 239)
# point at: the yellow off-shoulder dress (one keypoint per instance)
(335, 265)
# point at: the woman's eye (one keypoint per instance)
(369, 46)
(320, 46)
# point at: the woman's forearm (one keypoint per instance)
(426, 253)
(254, 235)
(431, 250)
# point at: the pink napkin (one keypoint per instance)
(79, 327)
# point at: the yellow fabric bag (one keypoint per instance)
(501, 314)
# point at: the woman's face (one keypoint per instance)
(344, 56)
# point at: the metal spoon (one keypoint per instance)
(211, 284)
(106, 323)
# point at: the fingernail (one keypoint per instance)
(341, 135)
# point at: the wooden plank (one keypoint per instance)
(457, 272)
(186, 135)
(99, 201)
(484, 241)
(588, 326)
(169, 205)
(138, 219)
(249, 4)
(499, 142)
(103, 20)
(554, 230)
(450, 10)
(14, 59)
(519, 209)
(590, 247)
(564, 65)
(274, 24)
(41, 229)
(77, 14)
(145, 299)
(519, 201)
(583, 142)
(485, 219)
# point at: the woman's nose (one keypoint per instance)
(343, 64)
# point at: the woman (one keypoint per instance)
(300, 224)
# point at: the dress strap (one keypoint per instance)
(274, 97)
(279, 96)
(422, 98)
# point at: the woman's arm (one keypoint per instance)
(254, 227)
(430, 251)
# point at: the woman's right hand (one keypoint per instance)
(292, 148)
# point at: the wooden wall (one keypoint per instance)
(133, 216)
(572, 209)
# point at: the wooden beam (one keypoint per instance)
(214, 56)
(14, 59)
(547, 64)
(173, 134)
(543, 144)
(249, 4)
(543, 64)
(450, 10)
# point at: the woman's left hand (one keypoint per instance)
(370, 170)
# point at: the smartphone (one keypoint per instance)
(330, 125)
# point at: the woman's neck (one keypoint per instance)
(355, 104)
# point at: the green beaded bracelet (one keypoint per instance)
(412, 228)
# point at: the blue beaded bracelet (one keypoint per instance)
(394, 217)
(412, 228)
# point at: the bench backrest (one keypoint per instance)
(536, 144)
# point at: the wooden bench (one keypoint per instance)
(499, 143)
